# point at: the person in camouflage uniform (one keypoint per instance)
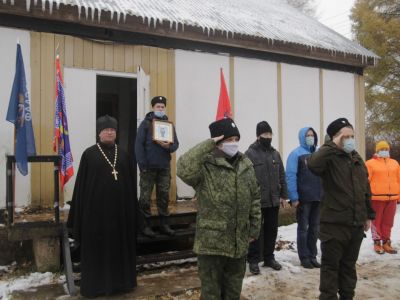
(153, 158)
(228, 215)
(345, 209)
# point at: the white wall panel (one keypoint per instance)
(8, 50)
(338, 96)
(197, 91)
(300, 104)
(255, 98)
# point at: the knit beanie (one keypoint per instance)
(106, 122)
(263, 127)
(158, 99)
(336, 125)
(225, 127)
(381, 145)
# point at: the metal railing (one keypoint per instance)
(10, 183)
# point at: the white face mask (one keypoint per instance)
(230, 148)
(383, 153)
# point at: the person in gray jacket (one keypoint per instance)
(270, 174)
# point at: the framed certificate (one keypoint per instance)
(163, 131)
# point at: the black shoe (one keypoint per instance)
(147, 231)
(254, 268)
(315, 263)
(166, 230)
(307, 264)
(272, 263)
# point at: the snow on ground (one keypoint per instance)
(378, 275)
(27, 283)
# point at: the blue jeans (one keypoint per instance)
(307, 215)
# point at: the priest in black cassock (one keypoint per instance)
(103, 215)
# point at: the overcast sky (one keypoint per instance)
(335, 14)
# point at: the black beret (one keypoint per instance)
(225, 127)
(336, 125)
(263, 127)
(106, 122)
(159, 99)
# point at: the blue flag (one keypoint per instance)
(19, 113)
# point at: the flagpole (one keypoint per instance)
(13, 169)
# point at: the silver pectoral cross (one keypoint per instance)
(115, 173)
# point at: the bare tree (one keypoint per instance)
(306, 6)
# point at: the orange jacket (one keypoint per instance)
(384, 178)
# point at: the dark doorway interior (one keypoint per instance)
(117, 97)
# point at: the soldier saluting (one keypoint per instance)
(228, 215)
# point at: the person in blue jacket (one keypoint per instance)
(305, 191)
(153, 158)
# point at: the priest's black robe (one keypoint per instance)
(103, 220)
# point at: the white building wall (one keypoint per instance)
(8, 50)
(300, 104)
(255, 98)
(81, 112)
(197, 79)
(338, 95)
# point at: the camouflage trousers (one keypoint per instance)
(161, 178)
(221, 277)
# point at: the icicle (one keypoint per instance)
(86, 11)
(171, 24)
(93, 11)
(149, 22)
(79, 11)
(58, 5)
(99, 15)
(12, 2)
(124, 15)
(183, 27)
(118, 16)
(43, 5)
(36, 2)
(112, 14)
(155, 22)
(51, 6)
(176, 26)
(28, 5)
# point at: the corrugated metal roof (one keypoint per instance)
(270, 19)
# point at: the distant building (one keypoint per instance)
(280, 65)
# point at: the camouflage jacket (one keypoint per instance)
(228, 199)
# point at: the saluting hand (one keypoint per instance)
(338, 140)
(217, 138)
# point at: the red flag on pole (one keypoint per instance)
(224, 105)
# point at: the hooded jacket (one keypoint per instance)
(149, 154)
(228, 199)
(302, 184)
(384, 178)
(270, 174)
(346, 197)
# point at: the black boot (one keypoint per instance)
(164, 227)
(147, 231)
(254, 268)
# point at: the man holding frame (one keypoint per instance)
(155, 141)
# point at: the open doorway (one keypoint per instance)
(117, 97)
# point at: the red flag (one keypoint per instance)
(224, 105)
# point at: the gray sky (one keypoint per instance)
(335, 14)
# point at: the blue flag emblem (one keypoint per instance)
(19, 113)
